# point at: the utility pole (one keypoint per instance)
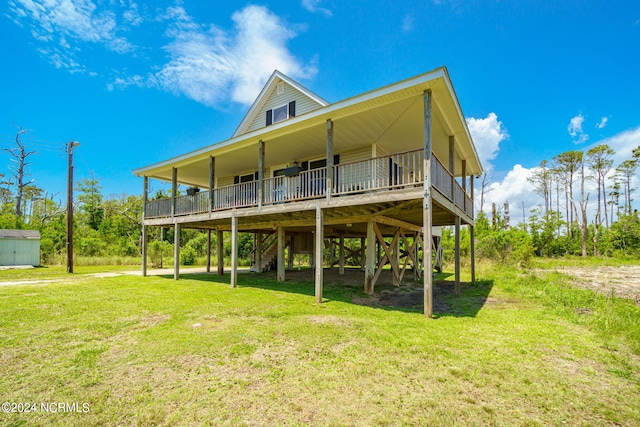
(70, 207)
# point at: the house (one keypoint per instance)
(19, 247)
(385, 167)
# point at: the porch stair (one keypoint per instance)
(270, 256)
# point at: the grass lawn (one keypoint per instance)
(513, 350)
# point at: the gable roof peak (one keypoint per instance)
(264, 95)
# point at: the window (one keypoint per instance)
(281, 113)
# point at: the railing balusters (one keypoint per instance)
(398, 170)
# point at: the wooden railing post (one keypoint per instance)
(174, 190)
(329, 173)
(212, 180)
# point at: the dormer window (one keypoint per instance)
(281, 113)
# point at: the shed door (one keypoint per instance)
(7, 252)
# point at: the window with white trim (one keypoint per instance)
(280, 113)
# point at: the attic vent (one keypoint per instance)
(280, 88)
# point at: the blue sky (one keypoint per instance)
(139, 82)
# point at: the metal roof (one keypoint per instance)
(19, 234)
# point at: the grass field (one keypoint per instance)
(513, 350)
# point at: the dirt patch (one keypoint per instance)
(622, 281)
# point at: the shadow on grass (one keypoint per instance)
(409, 297)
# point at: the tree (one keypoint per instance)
(486, 180)
(541, 180)
(568, 164)
(600, 162)
(626, 170)
(90, 199)
(20, 155)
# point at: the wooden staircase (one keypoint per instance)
(269, 255)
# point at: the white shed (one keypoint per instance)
(19, 247)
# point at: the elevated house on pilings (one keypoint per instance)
(384, 167)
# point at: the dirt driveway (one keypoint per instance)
(623, 281)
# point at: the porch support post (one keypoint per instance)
(176, 252)
(329, 172)
(472, 238)
(145, 198)
(220, 250)
(341, 255)
(370, 268)
(280, 254)
(234, 250)
(259, 252)
(174, 190)
(260, 174)
(452, 164)
(318, 252)
(426, 209)
(209, 251)
(456, 285)
(212, 181)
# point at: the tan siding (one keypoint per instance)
(304, 104)
(225, 181)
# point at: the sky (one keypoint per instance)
(139, 82)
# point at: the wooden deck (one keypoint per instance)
(381, 183)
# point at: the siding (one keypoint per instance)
(20, 252)
(304, 104)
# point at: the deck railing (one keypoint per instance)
(399, 170)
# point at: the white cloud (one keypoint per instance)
(622, 143)
(313, 6)
(61, 24)
(210, 65)
(575, 129)
(407, 23)
(603, 123)
(487, 134)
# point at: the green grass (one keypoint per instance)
(514, 350)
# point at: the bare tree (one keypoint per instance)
(486, 180)
(20, 155)
(583, 209)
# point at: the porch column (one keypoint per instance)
(341, 255)
(209, 251)
(464, 184)
(426, 209)
(145, 198)
(456, 283)
(318, 252)
(176, 252)
(174, 190)
(234, 250)
(220, 250)
(452, 164)
(259, 251)
(212, 181)
(370, 268)
(329, 172)
(472, 238)
(280, 258)
(260, 174)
